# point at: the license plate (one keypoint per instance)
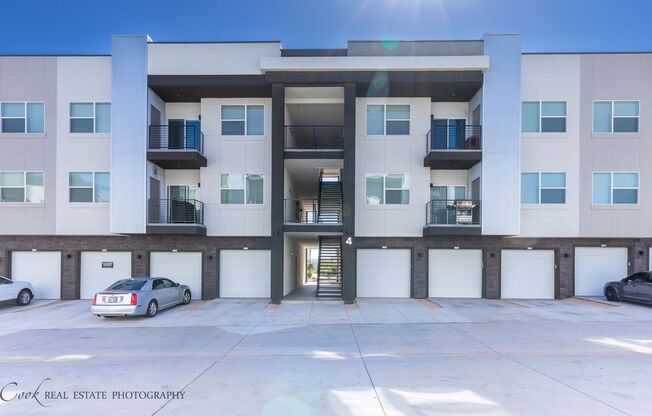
(113, 299)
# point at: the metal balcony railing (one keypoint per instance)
(461, 212)
(175, 211)
(454, 137)
(171, 137)
(314, 137)
(310, 211)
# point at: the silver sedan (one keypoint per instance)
(140, 296)
(637, 288)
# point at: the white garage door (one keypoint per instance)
(245, 274)
(100, 270)
(594, 266)
(42, 269)
(455, 273)
(527, 274)
(383, 273)
(183, 268)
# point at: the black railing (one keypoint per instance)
(454, 137)
(175, 211)
(172, 137)
(314, 137)
(309, 211)
(453, 212)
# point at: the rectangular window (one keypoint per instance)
(90, 117)
(543, 188)
(243, 120)
(388, 119)
(22, 117)
(387, 189)
(89, 186)
(22, 187)
(616, 116)
(615, 187)
(543, 116)
(241, 189)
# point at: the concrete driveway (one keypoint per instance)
(380, 357)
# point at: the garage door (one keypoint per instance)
(455, 273)
(594, 266)
(245, 274)
(527, 274)
(383, 273)
(100, 270)
(42, 269)
(183, 268)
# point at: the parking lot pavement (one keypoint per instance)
(378, 357)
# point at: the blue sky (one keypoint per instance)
(85, 26)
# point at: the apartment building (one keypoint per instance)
(419, 169)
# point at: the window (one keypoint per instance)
(22, 187)
(182, 192)
(388, 119)
(241, 189)
(543, 116)
(89, 186)
(243, 120)
(543, 188)
(615, 187)
(615, 116)
(387, 189)
(90, 117)
(22, 117)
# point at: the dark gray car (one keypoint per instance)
(637, 288)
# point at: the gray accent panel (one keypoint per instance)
(182, 159)
(452, 160)
(452, 230)
(348, 197)
(278, 179)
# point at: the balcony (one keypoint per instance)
(453, 146)
(452, 217)
(314, 141)
(175, 216)
(176, 147)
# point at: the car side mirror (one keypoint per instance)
(176, 285)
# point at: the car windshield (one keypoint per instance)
(128, 284)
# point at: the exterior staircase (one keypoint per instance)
(329, 267)
(330, 199)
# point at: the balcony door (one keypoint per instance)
(193, 133)
(181, 204)
(442, 197)
(182, 192)
(448, 133)
(175, 134)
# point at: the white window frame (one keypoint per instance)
(613, 116)
(541, 188)
(24, 116)
(94, 118)
(385, 119)
(87, 187)
(541, 117)
(244, 188)
(612, 188)
(245, 119)
(24, 187)
(385, 188)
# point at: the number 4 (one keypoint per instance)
(349, 241)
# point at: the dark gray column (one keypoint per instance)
(419, 270)
(278, 123)
(348, 198)
(566, 270)
(491, 274)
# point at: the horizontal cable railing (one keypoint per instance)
(314, 137)
(175, 211)
(171, 137)
(310, 211)
(453, 212)
(454, 137)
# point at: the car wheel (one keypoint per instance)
(152, 309)
(108, 317)
(24, 297)
(610, 294)
(187, 297)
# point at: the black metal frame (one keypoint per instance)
(467, 137)
(185, 137)
(313, 137)
(448, 212)
(175, 211)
